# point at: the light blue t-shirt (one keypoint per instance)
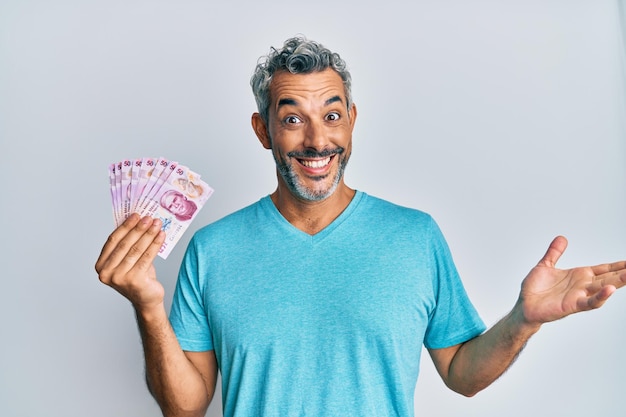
(326, 325)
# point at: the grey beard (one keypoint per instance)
(297, 189)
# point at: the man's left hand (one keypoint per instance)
(550, 294)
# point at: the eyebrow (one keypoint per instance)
(287, 102)
(292, 102)
(333, 100)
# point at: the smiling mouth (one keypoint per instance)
(312, 159)
(318, 163)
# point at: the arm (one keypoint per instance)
(183, 383)
(547, 294)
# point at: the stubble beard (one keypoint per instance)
(296, 185)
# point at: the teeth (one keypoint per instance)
(316, 164)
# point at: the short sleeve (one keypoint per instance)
(188, 315)
(454, 319)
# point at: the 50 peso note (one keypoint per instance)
(159, 188)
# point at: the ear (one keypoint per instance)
(260, 128)
(352, 114)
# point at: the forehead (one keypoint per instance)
(319, 84)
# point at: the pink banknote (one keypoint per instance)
(159, 188)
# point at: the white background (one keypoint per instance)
(503, 119)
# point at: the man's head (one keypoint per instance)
(297, 56)
(305, 118)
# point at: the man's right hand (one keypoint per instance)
(126, 262)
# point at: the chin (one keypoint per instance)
(313, 195)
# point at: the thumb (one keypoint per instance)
(554, 252)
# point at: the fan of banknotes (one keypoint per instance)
(160, 188)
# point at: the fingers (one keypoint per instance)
(114, 239)
(598, 299)
(143, 243)
(612, 267)
(134, 244)
(614, 279)
(554, 252)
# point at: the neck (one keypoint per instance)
(312, 216)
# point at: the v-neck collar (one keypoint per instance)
(268, 205)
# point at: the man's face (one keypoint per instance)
(310, 132)
(175, 203)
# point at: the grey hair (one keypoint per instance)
(298, 56)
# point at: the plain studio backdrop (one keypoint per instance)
(503, 119)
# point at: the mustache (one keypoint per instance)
(311, 153)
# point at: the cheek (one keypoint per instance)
(280, 157)
(283, 142)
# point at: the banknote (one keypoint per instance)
(113, 184)
(134, 180)
(154, 181)
(159, 188)
(118, 189)
(125, 189)
(168, 169)
(143, 175)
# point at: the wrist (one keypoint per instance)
(521, 320)
(151, 313)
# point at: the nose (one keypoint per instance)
(316, 136)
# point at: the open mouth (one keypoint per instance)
(315, 163)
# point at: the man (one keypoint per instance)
(316, 300)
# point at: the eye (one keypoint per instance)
(333, 116)
(291, 120)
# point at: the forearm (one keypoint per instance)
(482, 360)
(173, 380)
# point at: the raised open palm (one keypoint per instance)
(550, 294)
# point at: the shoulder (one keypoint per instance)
(234, 225)
(385, 211)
